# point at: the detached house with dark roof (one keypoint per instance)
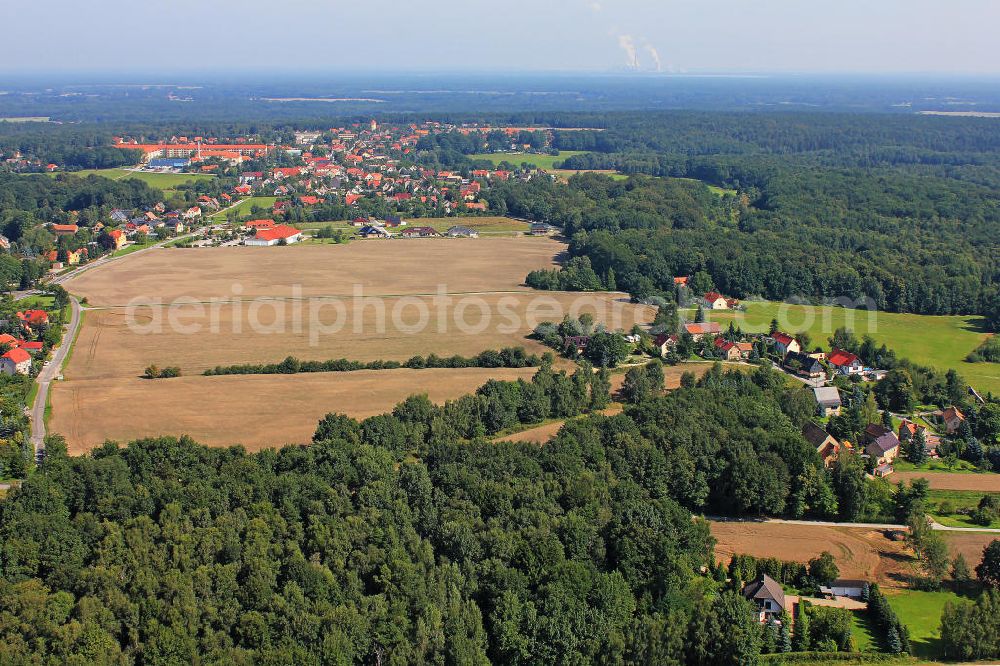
(766, 594)
(826, 445)
(804, 366)
(882, 445)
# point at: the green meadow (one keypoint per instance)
(546, 162)
(937, 341)
(244, 208)
(921, 612)
(167, 182)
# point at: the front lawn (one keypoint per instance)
(921, 612)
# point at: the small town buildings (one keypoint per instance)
(275, 236)
(881, 444)
(826, 445)
(845, 362)
(15, 361)
(828, 402)
(715, 301)
(33, 319)
(766, 594)
(733, 351)
(785, 344)
(665, 343)
(908, 431)
(462, 232)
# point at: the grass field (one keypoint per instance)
(40, 301)
(167, 182)
(940, 342)
(546, 162)
(921, 612)
(959, 500)
(243, 209)
(863, 633)
(438, 296)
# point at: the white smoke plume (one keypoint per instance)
(655, 55)
(627, 44)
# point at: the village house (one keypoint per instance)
(828, 402)
(845, 362)
(953, 419)
(908, 431)
(804, 366)
(766, 594)
(699, 330)
(733, 351)
(664, 343)
(117, 238)
(372, 231)
(882, 445)
(785, 344)
(576, 343)
(462, 232)
(64, 229)
(33, 319)
(715, 301)
(15, 361)
(419, 232)
(539, 229)
(826, 445)
(275, 236)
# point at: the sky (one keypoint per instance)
(695, 36)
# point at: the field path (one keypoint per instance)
(48, 374)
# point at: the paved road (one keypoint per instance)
(54, 368)
(48, 375)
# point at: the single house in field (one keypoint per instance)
(953, 419)
(15, 362)
(665, 343)
(715, 301)
(462, 232)
(540, 229)
(274, 236)
(419, 232)
(785, 344)
(371, 231)
(766, 594)
(880, 443)
(699, 331)
(804, 366)
(828, 401)
(845, 362)
(826, 444)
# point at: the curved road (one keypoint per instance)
(54, 367)
(48, 375)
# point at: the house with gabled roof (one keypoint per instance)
(880, 443)
(766, 594)
(826, 445)
(699, 330)
(953, 418)
(845, 362)
(784, 343)
(803, 365)
(828, 402)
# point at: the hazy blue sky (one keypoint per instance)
(685, 35)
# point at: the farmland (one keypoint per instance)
(257, 411)
(953, 481)
(472, 298)
(938, 341)
(860, 552)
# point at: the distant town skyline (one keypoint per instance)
(851, 36)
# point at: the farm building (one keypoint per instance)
(419, 232)
(274, 236)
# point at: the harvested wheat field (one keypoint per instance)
(989, 482)
(258, 411)
(860, 552)
(119, 342)
(377, 267)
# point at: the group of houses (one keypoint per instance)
(18, 352)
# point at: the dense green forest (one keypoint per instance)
(420, 547)
(908, 244)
